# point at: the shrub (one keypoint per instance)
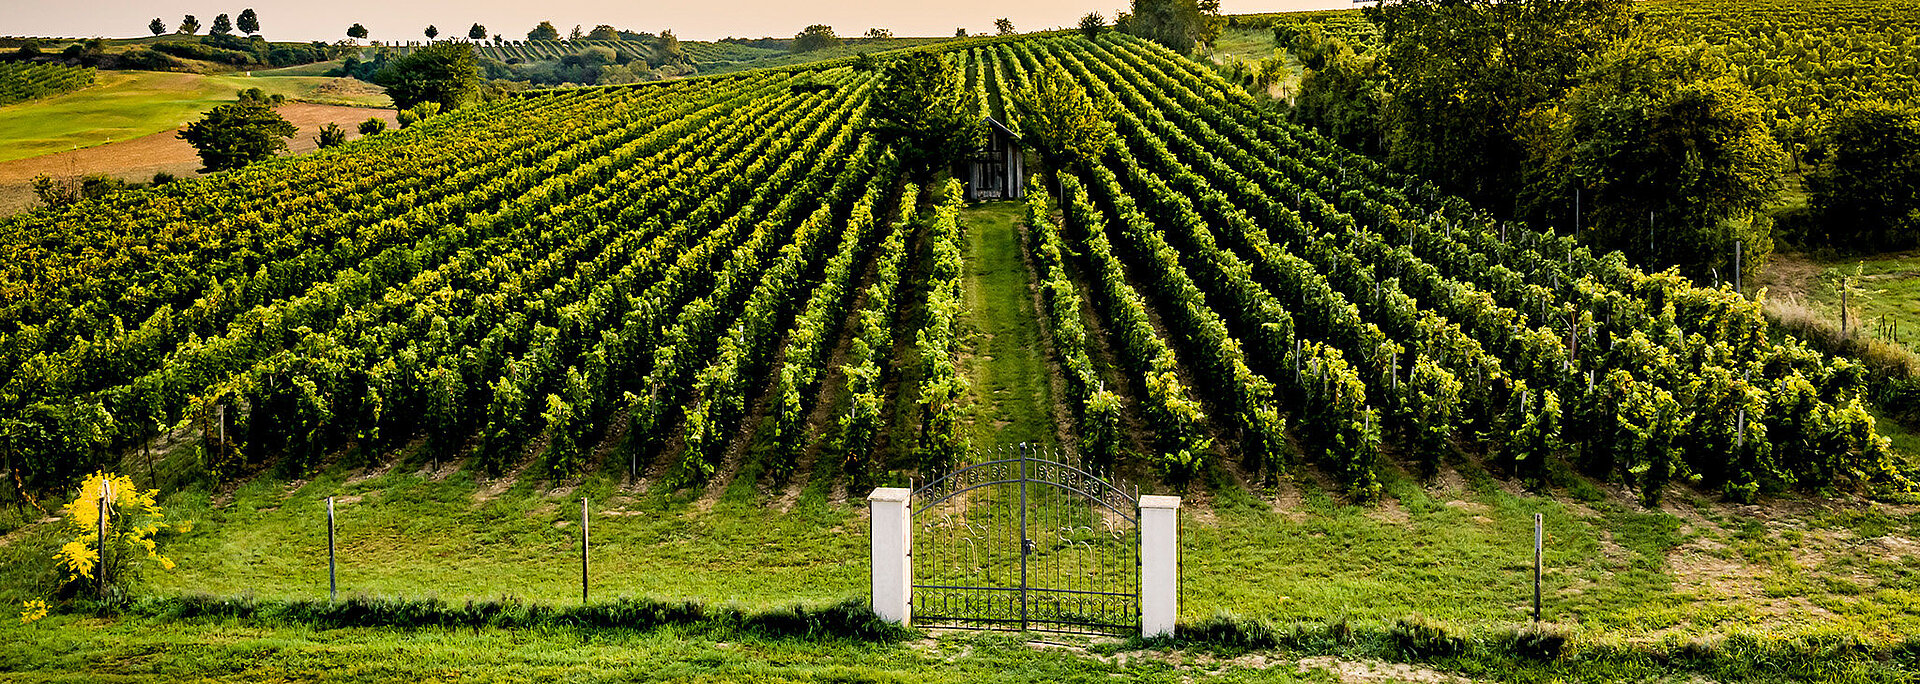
(1418, 638)
(373, 126)
(330, 135)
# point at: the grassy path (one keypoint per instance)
(1003, 352)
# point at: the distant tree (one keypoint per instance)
(1003, 26)
(357, 32)
(432, 32)
(924, 111)
(373, 126)
(879, 34)
(603, 32)
(260, 97)
(1092, 24)
(545, 31)
(477, 32)
(960, 32)
(1662, 132)
(444, 73)
(189, 25)
(157, 26)
(1059, 120)
(815, 37)
(1177, 24)
(331, 135)
(1867, 191)
(222, 26)
(248, 22)
(667, 50)
(235, 135)
(1466, 73)
(497, 39)
(575, 34)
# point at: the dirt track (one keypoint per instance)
(140, 158)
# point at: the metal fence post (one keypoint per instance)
(1539, 529)
(333, 578)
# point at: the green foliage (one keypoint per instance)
(1177, 24)
(235, 135)
(373, 126)
(443, 73)
(357, 32)
(1671, 156)
(544, 31)
(248, 22)
(476, 32)
(222, 25)
(1003, 27)
(815, 37)
(925, 114)
(1092, 25)
(1466, 73)
(1059, 120)
(189, 25)
(157, 26)
(1342, 93)
(331, 135)
(1866, 194)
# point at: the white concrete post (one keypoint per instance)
(892, 542)
(1159, 564)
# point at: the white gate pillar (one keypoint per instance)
(1159, 565)
(892, 541)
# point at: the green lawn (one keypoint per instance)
(123, 105)
(1891, 297)
(1002, 352)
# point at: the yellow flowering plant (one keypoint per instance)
(31, 611)
(133, 521)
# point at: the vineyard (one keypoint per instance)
(649, 276)
(707, 57)
(22, 81)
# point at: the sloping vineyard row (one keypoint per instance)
(1415, 321)
(22, 81)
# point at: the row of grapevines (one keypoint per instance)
(22, 81)
(942, 391)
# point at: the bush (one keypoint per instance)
(1536, 642)
(330, 135)
(418, 113)
(373, 126)
(1418, 638)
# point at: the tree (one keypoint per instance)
(879, 34)
(545, 31)
(960, 32)
(575, 34)
(603, 32)
(222, 26)
(815, 37)
(1341, 95)
(1177, 24)
(1059, 119)
(357, 32)
(157, 26)
(1003, 26)
(476, 32)
(331, 135)
(189, 25)
(1092, 25)
(432, 32)
(446, 73)
(1866, 193)
(924, 111)
(1465, 73)
(248, 22)
(235, 135)
(1671, 155)
(667, 50)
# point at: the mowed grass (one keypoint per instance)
(1889, 294)
(123, 105)
(1003, 354)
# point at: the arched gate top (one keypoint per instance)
(1034, 465)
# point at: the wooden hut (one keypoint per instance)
(997, 171)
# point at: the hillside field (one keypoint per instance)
(721, 309)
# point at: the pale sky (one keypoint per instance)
(697, 20)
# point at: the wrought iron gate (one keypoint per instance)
(1024, 539)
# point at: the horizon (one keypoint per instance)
(285, 21)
